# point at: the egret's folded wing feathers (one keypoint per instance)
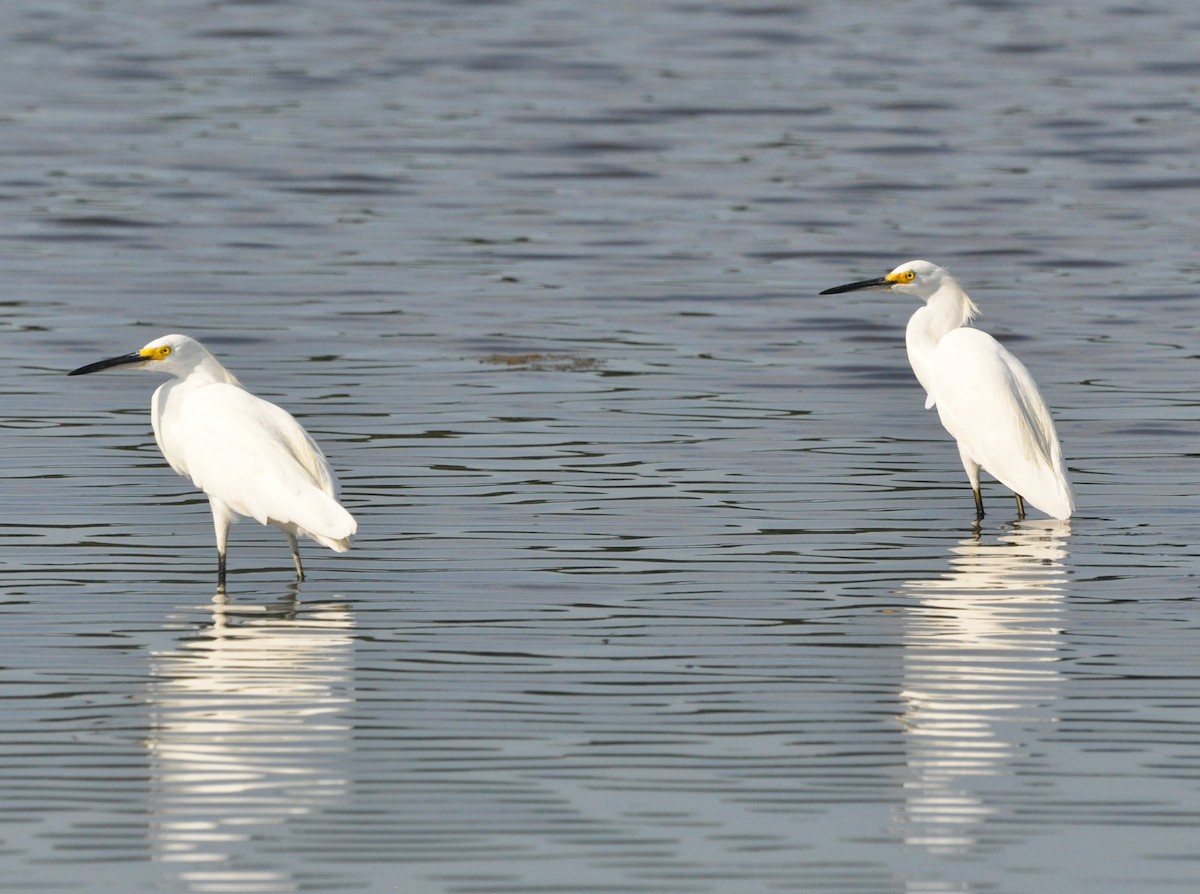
(988, 401)
(258, 460)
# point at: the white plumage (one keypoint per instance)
(249, 456)
(985, 397)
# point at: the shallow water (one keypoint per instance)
(664, 581)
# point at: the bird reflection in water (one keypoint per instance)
(250, 734)
(981, 648)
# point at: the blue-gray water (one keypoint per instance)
(665, 581)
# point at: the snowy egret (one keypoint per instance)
(984, 395)
(250, 457)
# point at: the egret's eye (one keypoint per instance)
(908, 276)
(164, 351)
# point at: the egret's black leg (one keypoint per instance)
(296, 556)
(222, 516)
(978, 503)
(1020, 506)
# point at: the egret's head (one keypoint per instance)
(173, 355)
(920, 278)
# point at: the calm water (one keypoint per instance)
(665, 582)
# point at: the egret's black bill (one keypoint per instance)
(123, 360)
(861, 284)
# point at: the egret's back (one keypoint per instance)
(989, 402)
(252, 456)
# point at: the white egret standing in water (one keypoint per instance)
(250, 457)
(984, 395)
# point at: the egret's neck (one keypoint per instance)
(207, 370)
(946, 310)
(210, 371)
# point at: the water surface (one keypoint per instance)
(665, 582)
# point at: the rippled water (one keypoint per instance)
(665, 582)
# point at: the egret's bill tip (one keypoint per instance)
(123, 360)
(878, 282)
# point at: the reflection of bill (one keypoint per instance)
(249, 732)
(980, 652)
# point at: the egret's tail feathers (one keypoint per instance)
(338, 546)
(333, 527)
(1050, 492)
(1059, 505)
(318, 516)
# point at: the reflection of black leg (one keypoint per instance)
(1020, 506)
(978, 503)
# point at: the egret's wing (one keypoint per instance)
(990, 404)
(258, 460)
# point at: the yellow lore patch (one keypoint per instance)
(158, 352)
